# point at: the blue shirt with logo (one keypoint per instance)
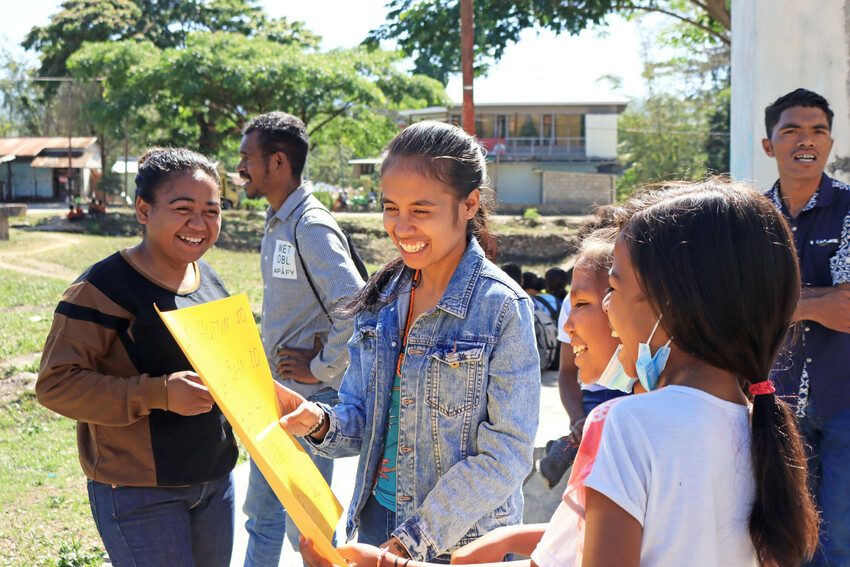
(815, 364)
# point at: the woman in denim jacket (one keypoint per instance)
(441, 400)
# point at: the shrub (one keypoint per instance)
(325, 198)
(531, 215)
(260, 204)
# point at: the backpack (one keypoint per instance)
(352, 251)
(546, 333)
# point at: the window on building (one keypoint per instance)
(501, 126)
(547, 131)
(569, 126)
(484, 125)
(528, 126)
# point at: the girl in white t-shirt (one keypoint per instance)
(702, 291)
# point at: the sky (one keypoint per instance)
(540, 67)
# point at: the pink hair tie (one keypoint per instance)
(760, 388)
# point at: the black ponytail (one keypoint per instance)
(783, 523)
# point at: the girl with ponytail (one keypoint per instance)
(441, 398)
(709, 469)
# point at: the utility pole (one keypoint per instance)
(466, 57)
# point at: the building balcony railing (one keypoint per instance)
(535, 148)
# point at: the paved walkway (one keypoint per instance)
(540, 502)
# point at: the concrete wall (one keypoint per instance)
(600, 132)
(521, 182)
(577, 192)
(778, 46)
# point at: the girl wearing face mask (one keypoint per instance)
(156, 449)
(596, 349)
(703, 286)
(441, 399)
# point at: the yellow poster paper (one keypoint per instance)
(221, 340)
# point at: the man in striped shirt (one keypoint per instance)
(308, 273)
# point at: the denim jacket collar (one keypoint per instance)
(456, 298)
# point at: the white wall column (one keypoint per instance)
(778, 46)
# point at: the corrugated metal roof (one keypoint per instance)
(58, 162)
(30, 147)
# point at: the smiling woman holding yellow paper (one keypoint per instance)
(156, 449)
(441, 399)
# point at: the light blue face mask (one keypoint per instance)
(614, 376)
(650, 367)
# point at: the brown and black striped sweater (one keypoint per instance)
(105, 363)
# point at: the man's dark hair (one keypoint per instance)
(281, 132)
(799, 97)
(556, 281)
(530, 280)
(514, 271)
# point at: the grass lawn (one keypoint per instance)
(44, 512)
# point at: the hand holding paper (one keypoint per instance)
(186, 394)
(303, 419)
(221, 341)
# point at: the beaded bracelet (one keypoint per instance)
(319, 424)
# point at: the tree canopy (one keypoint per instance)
(428, 30)
(165, 23)
(200, 94)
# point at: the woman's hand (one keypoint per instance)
(186, 394)
(357, 555)
(287, 400)
(299, 415)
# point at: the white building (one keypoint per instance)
(558, 155)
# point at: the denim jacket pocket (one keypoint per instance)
(365, 340)
(452, 375)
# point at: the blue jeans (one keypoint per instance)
(377, 524)
(168, 527)
(266, 524)
(590, 400)
(829, 469)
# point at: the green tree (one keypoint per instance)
(202, 93)
(717, 142)
(165, 23)
(662, 138)
(19, 101)
(429, 30)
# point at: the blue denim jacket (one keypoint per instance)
(469, 407)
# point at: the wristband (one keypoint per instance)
(381, 556)
(318, 425)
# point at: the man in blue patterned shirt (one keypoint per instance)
(816, 365)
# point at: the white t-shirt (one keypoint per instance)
(557, 547)
(679, 461)
(564, 337)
